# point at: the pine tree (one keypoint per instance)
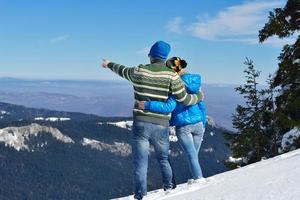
(269, 120)
(285, 22)
(251, 142)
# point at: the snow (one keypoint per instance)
(272, 179)
(235, 160)
(16, 136)
(117, 148)
(64, 119)
(39, 119)
(296, 61)
(288, 139)
(3, 112)
(172, 136)
(123, 124)
(211, 121)
(208, 150)
(52, 119)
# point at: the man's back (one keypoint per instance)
(154, 82)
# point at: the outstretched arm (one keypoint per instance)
(178, 90)
(161, 107)
(121, 70)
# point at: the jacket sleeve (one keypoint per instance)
(179, 92)
(161, 107)
(121, 70)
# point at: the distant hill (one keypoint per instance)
(104, 98)
(47, 154)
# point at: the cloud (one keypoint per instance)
(240, 20)
(175, 25)
(277, 42)
(272, 41)
(60, 38)
(238, 23)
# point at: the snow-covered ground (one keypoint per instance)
(272, 179)
(289, 138)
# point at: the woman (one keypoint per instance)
(189, 120)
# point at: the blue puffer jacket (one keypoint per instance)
(182, 115)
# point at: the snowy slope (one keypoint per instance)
(272, 179)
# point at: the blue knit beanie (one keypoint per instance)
(160, 50)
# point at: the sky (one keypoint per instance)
(67, 39)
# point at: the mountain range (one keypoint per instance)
(48, 154)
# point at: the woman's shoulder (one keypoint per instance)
(189, 78)
(190, 75)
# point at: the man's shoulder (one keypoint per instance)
(157, 69)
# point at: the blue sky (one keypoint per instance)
(67, 39)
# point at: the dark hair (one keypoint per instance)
(176, 63)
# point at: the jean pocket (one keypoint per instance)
(165, 134)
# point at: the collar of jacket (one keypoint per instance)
(157, 62)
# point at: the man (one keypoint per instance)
(153, 81)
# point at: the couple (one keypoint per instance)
(161, 89)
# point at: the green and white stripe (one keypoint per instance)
(154, 82)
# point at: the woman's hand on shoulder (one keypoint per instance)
(141, 105)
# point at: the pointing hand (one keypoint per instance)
(105, 63)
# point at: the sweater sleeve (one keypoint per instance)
(121, 70)
(179, 92)
(161, 107)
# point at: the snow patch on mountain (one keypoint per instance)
(122, 124)
(289, 138)
(208, 150)
(172, 136)
(16, 136)
(273, 179)
(3, 112)
(210, 121)
(52, 119)
(117, 148)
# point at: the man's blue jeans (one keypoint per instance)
(143, 134)
(190, 138)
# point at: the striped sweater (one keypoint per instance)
(154, 82)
